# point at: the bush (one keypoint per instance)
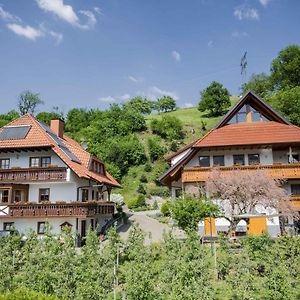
(148, 167)
(156, 151)
(165, 208)
(140, 201)
(141, 189)
(168, 127)
(174, 146)
(160, 191)
(155, 205)
(144, 178)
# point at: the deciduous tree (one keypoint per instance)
(28, 101)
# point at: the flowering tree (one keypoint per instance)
(243, 192)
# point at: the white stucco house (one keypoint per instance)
(46, 177)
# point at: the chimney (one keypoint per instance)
(57, 126)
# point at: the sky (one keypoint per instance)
(91, 53)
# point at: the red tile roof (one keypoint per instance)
(37, 137)
(250, 134)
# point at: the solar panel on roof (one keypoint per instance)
(14, 132)
(59, 142)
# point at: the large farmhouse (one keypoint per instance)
(251, 136)
(46, 177)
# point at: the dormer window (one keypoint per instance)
(97, 167)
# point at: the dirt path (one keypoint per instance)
(154, 230)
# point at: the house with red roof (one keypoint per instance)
(251, 136)
(48, 178)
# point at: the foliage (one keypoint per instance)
(258, 83)
(140, 201)
(215, 98)
(166, 103)
(141, 189)
(6, 118)
(188, 212)
(25, 294)
(168, 127)
(143, 178)
(287, 101)
(46, 117)
(28, 101)
(165, 208)
(148, 167)
(242, 192)
(161, 191)
(285, 68)
(174, 146)
(156, 151)
(155, 205)
(142, 105)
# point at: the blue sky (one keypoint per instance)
(91, 53)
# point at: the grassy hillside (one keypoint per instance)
(191, 118)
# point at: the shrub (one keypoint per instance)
(156, 150)
(144, 178)
(165, 208)
(155, 205)
(168, 127)
(160, 191)
(141, 189)
(148, 167)
(174, 146)
(140, 201)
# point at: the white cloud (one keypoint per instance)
(8, 17)
(264, 2)
(244, 12)
(66, 13)
(135, 79)
(239, 34)
(155, 92)
(176, 56)
(58, 37)
(91, 22)
(188, 105)
(98, 10)
(111, 99)
(210, 44)
(26, 31)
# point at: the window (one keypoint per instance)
(204, 161)
(295, 189)
(19, 196)
(97, 167)
(295, 159)
(92, 224)
(4, 196)
(253, 159)
(218, 160)
(239, 159)
(84, 195)
(44, 195)
(7, 226)
(45, 161)
(4, 163)
(41, 227)
(36, 162)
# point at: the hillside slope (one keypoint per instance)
(195, 125)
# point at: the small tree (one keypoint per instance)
(242, 192)
(156, 150)
(285, 68)
(259, 83)
(166, 103)
(215, 99)
(139, 104)
(28, 102)
(188, 212)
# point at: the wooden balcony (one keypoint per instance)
(285, 171)
(51, 210)
(33, 174)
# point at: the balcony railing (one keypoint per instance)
(47, 210)
(33, 174)
(296, 202)
(285, 171)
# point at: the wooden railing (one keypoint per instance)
(33, 174)
(73, 209)
(285, 171)
(296, 202)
